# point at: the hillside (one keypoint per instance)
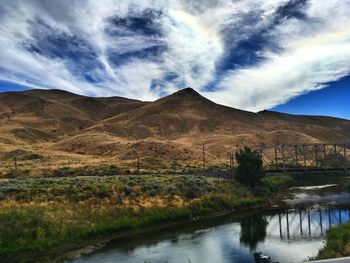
(69, 129)
(55, 113)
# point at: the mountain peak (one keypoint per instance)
(187, 91)
(183, 94)
(187, 94)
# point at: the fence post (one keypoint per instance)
(276, 158)
(138, 164)
(316, 155)
(15, 162)
(203, 157)
(345, 160)
(283, 158)
(324, 157)
(304, 149)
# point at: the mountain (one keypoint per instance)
(185, 112)
(68, 128)
(55, 113)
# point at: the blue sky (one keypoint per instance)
(331, 101)
(286, 55)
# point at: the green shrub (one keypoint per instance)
(127, 190)
(249, 170)
(272, 184)
(337, 243)
(62, 171)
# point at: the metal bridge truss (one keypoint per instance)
(305, 224)
(305, 157)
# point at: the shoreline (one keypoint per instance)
(74, 251)
(92, 246)
(80, 247)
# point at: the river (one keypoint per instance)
(287, 236)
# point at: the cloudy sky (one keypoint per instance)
(248, 54)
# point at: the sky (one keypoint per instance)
(331, 101)
(286, 55)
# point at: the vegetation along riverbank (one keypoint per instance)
(337, 243)
(338, 240)
(38, 214)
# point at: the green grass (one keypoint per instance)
(272, 184)
(337, 243)
(38, 214)
(348, 186)
(30, 230)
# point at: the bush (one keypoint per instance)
(271, 184)
(153, 192)
(249, 170)
(17, 173)
(62, 171)
(127, 190)
(337, 243)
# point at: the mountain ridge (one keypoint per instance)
(68, 126)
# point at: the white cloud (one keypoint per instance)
(197, 36)
(140, 74)
(314, 53)
(283, 77)
(193, 48)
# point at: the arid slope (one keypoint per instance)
(66, 128)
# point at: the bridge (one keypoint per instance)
(305, 224)
(305, 157)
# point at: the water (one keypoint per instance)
(287, 236)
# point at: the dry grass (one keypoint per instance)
(71, 130)
(49, 212)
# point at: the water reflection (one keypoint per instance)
(253, 230)
(286, 236)
(306, 223)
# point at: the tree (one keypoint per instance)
(249, 170)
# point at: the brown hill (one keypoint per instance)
(187, 113)
(72, 128)
(184, 113)
(55, 113)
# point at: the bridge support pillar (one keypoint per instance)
(287, 225)
(301, 223)
(280, 223)
(321, 225)
(309, 221)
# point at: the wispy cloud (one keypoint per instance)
(250, 54)
(313, 49)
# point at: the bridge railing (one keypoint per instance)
(299, 157)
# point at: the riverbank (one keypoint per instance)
(52, 215)
(87, 247)
(337, 243)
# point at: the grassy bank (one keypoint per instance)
(337, 243)
(41, 213)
